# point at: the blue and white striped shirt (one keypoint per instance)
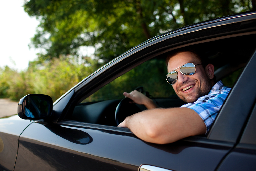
(208, 106)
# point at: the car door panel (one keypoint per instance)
(72, 145)
(8, 151)
(242, 158)
(59, 147)
(9, 137)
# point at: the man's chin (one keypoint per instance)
(189, 99)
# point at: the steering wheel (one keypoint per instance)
(126, 107)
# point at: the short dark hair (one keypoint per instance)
(204, 60)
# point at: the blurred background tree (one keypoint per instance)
(111, 27)
(114, 26)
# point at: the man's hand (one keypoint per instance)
(140, 98)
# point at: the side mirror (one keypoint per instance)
(35, 106)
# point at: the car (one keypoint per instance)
(79, 130)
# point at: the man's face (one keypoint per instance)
(190, 87)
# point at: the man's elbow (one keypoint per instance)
(157, 136)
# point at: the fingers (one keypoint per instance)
(132, 95)
(136, 96)
(122, 124)
(126, 94)
(140, 98)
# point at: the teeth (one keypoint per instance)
(185, 89)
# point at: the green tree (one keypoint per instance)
(114, 26)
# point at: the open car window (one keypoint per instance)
(150, 75)
(229, 56)
(99, 108)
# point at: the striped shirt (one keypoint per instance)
(208, 106)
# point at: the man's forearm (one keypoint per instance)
(150, 104)
(165, 125)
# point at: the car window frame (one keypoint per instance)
(127, 68)
(220, 118)
(132, 59)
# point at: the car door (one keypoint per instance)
(71, 145)
(10, 130)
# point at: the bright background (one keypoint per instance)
(17, 28)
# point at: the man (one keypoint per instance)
(194, 83)
(28, 113)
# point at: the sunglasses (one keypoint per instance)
(186, 69)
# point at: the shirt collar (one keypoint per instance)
(217, 86)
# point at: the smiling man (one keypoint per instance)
(193, 82)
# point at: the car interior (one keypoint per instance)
(228, 55)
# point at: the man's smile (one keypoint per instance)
(187, 88)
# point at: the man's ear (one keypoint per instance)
(209, 69)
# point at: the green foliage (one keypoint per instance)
(52, 78)
(13, 85)
(5, 76)
(56, 77)
(114, 26)
(230, 80)
(150, 75)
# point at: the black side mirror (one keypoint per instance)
(35, 106)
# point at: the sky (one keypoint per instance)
(16, 31)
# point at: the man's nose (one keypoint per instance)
(182, 78)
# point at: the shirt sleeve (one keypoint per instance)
(208, 107)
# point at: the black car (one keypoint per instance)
(78, 133)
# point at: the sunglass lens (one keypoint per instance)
(188, 69)
(172, 77)
(171, 80)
